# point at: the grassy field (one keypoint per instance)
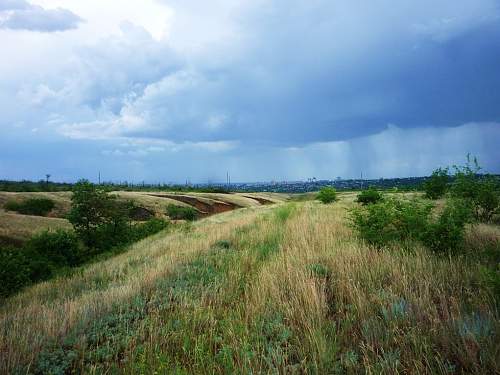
(16, 228)
(281, 288)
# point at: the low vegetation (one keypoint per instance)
(481, 192)
(437, 184)
(369, 196)
(327, 195)
(402, 284)
(32, 206)
(285, 289)
(181, 212)
(400, 221)
(101, 224)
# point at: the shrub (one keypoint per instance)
(327, 195)
(437, 184)
(150, 227)
(481, 192)
(31, 206)
(181, 212)
(369, 196)
(60, 248)
(390, 221)
(14, 271)
(487, 199)
(397, 221)
(445, 234)
(12, 206)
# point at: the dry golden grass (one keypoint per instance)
(358, 288)
(289, 290)
(62, 200)
(49, 310)
(483, 236)
(18, 227)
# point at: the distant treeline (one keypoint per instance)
(401, 184)
(44, 186)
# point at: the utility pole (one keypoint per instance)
(99, 178)
(47, 176)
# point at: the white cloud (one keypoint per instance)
(21, 15)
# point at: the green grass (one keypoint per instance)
(284, 289)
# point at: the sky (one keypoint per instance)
(267, 90)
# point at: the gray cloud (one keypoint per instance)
(20, 15)
(295, 72)
(394, 152)
(293, 86)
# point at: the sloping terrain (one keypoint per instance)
(16, 228)
(267, 289)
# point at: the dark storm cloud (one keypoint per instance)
(297, 87)
(20, 15)
(302, 72)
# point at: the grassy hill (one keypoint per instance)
(281, 288)
(16, 228)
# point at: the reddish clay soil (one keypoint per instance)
(205, 209)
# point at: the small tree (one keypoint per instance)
(437, 184)
(327, 195)
(98, 219)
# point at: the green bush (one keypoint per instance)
(437, 184)
(12, 206)
(14, 271)
(482, 192)
(486, 201)
(391, 220)
(31, 206)
(327, 195)
(369, 196)
(181, 213)
(445, 234)
(395, 221)
(150, 227)
(60, 248)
